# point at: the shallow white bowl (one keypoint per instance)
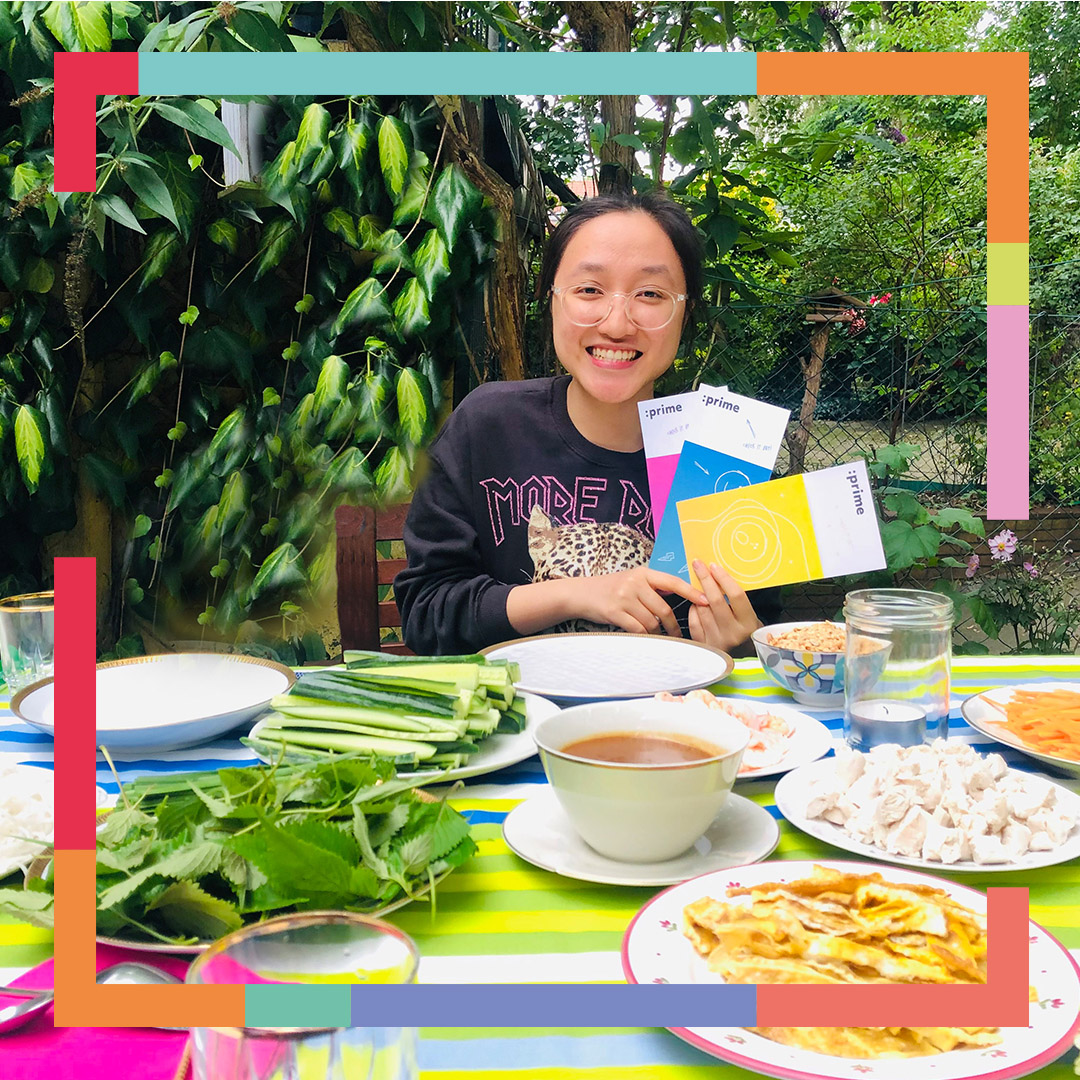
(641, 813)
(148, 704)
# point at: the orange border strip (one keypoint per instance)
(1001, 77)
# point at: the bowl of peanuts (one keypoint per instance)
(805, 658)
(808, 659)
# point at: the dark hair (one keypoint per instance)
(667, 213)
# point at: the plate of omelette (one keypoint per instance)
(848, 923)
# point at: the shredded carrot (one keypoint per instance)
(1045, 720)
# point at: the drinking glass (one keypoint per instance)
(26, 639)
(311, 947)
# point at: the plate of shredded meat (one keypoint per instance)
(781, 738)
(939, 805)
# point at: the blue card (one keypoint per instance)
(700, 471)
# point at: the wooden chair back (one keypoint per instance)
(360, 573)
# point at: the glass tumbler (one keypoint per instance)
(897, 656)
(310, 947)
(26, 639)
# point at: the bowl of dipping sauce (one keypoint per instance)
(641, 780)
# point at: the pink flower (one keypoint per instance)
(872, 300)
(886, 298)
(972, 565)
(1032, 569)
(1003, 546)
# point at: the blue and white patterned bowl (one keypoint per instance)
(815, 678)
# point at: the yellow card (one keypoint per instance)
(797, 528)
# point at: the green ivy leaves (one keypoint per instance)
(365, 304)
(455, 202)
(282, 569)
(411, 312)
(330, 389)
(79, 27)
(393, 155)
(31, 445)
(414, 405)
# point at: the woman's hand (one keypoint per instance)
(729, 618)
(632, 601)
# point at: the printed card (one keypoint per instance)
(798, 528)
(700, 471)
(665, 423)
(742, 427)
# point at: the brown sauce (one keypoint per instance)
(642, 748)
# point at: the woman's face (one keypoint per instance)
(615, 361)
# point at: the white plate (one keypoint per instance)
(20, 784)
(495, 752)
(539, 831)
(596, 667)
(655, 951)
(981, 717)
(793, 794)
(149, 704)
(809, 740)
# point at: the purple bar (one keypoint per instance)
(1007, 418)
(555, 1005)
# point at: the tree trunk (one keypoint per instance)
(800, 437)
(607, 28)
(505, 306)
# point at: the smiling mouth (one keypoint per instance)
(612, 356)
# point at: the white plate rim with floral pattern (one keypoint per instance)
(654, 950)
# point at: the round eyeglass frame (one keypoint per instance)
(559, 290)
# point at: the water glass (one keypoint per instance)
(310, 947)
(26, 639)
(897, 658)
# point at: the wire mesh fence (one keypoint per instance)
(893, 369)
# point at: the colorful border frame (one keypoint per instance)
(1001, 78)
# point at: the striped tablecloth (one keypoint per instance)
(499, 919)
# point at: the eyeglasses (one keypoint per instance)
(589, 305)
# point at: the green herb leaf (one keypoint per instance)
(27, 906)
(189, 910)
(186, 862)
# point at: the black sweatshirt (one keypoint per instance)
(505, 448)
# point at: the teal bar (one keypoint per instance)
(223, 74)
(297, 1005)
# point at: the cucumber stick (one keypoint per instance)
(304, 709)
(411, 709)
(349, 744)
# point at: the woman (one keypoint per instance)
(622, 273)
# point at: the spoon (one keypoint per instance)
(126, 973)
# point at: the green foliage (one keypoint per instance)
(197, 856)
(1031, 597)
(1049, 33)
(230, 398)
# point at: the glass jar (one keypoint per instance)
(309, 947)
(897, 656)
